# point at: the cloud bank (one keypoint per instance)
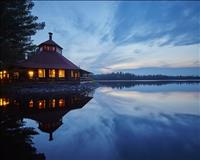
(123, 36)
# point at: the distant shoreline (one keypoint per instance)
(158, 80)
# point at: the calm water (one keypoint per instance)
(116, 121)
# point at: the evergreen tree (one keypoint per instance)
(17, 25)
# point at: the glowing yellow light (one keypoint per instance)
(52, 73)
(61, 73)
(1, 75)
(4, 102)
(31, 103)
(41, 73)
(42, 104)
(53, 103)
(30, 74)
(61, 102)
(76, 75)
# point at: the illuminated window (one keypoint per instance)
(4, 102)
(30, 74)
(1, 75)
(53, 103)
(54, 48)
(61, 103)
(42, 104)
(61, 73)
(76, 75)
(52, 73)
(30, 103)
(41, 73)
(72, 73)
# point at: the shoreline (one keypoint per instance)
(63, 88)
(46, 88)
(161, 80)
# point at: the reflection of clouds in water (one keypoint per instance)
(156, 139)
(103, 134)
(148, 102)
(118, 124)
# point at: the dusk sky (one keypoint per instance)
(137, 37)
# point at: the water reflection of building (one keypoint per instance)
(47, 111)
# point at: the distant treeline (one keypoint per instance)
(130, 76)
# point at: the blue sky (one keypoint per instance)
(138, 37)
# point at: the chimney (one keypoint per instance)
(50, 35)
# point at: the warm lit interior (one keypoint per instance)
(61, 73)
(49, 48)
(61, 103)
(41, 73)
(53, 103)
(30, 103)
(4, 102)
(4, 74)
(1, 75)
(30, 74)
(72, 73)
(42, 104)
(52, 73)
(76, 75)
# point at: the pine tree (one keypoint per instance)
(17, 25)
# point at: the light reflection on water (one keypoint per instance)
(138, 122)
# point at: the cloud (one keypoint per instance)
(123, 35)
(141, 21)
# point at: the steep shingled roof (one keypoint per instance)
(48, 60)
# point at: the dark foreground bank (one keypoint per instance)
(42, 88)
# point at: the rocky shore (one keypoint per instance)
(22, 89)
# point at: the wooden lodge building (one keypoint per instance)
(48, 64)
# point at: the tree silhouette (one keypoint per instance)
(15, 140)
(17, 25)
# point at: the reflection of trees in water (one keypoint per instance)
(47, 110)
(15, 139)
(128, 84)
(131, 76)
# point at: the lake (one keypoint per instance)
(117, 121)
